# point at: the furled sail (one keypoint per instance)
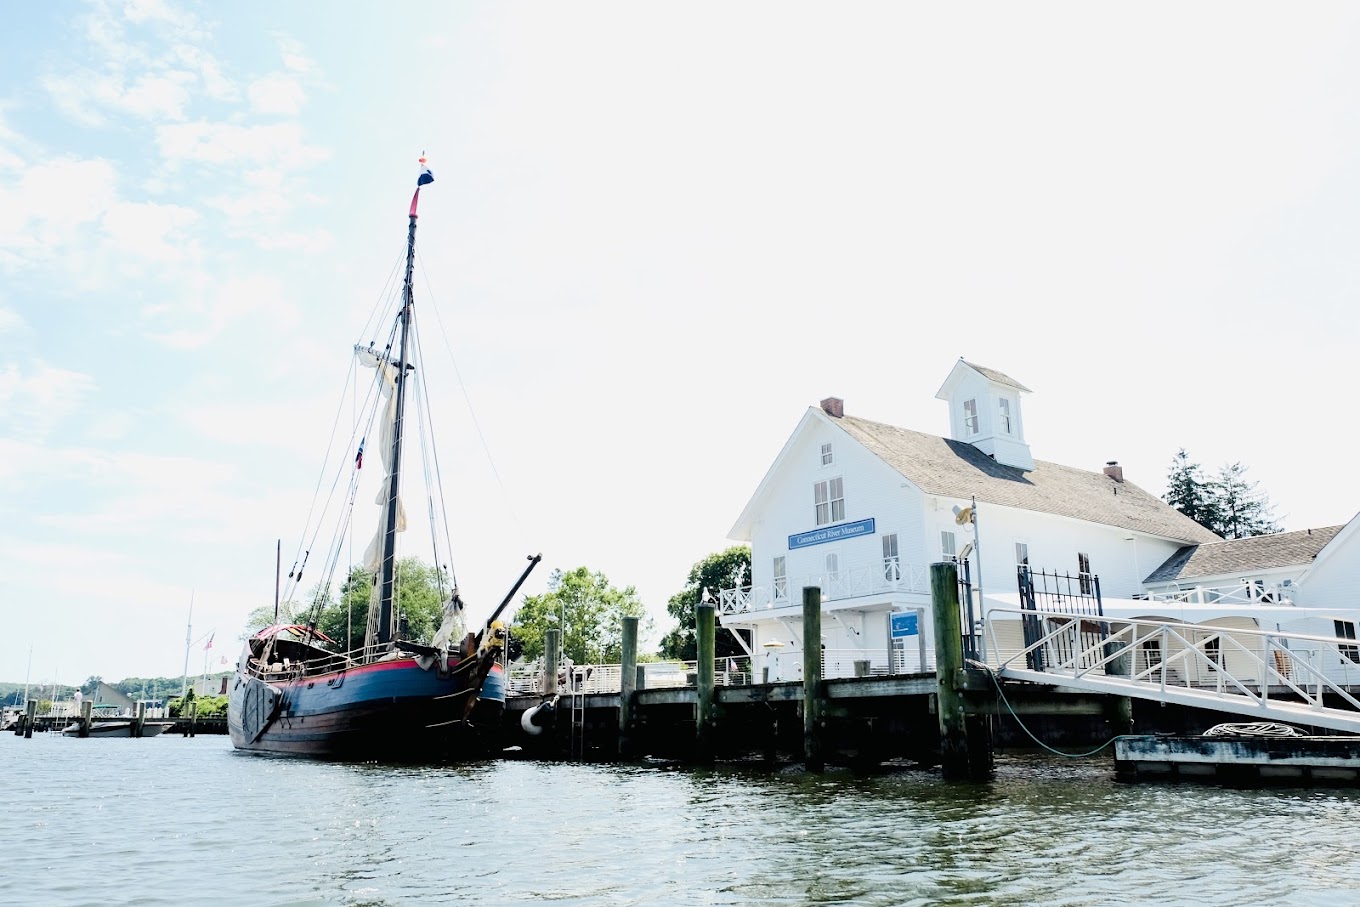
(373, 554)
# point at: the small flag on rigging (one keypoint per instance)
(208, 645)
(426, 175)
(359, 457)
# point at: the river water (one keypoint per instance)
(179, 821)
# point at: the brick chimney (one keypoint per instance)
(834, 407)
(1114, 470)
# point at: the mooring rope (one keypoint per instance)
(1002, 693)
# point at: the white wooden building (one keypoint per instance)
(860, 509)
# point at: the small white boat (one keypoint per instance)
(117, 729)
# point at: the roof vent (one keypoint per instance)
(834, 407)
(1114, 470)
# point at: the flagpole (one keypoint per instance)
(188, 635)
(278, 571)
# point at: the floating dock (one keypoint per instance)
(1239, 760)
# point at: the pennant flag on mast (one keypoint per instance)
(359, 457)
(426, 177)
(208, 645)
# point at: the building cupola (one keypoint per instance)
(984, 410)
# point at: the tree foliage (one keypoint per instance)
(1243, 511)
(1190, 492)
(421, 591)
(1227, 504)
(723, 570)
(589, 612)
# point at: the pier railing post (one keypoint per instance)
(963, 755)
(552, 648)
(706, 642)
(86, 710)
(30, 716)
(813, 704)
(627, 684)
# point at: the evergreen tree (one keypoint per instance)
(1242, 510)
(1193, 495)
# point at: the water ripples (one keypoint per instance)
(173, 821)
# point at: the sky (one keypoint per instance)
(658, 233)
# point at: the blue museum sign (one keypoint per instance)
(831, 534)
(904, 624)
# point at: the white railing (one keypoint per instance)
(851, 581)
(1155, 659)
(605, 678)
(1244, 593)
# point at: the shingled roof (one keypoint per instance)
(1262, 552)
(959, 470)
(993, 375)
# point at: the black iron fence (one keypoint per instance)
(1076, 595)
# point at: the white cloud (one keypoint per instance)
(86, 96)
(308, 243)
(208, 315)
(277, 94)
(278, 145)
(294, 57)
(49, 204)
(148, 231)
(11, 321)
(35, 397)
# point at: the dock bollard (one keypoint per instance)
(814, 705)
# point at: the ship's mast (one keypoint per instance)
(388, 573)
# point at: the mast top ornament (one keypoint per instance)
(424, 179)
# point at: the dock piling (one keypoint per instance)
(962, 755)
(814, 706)
(705, 681)
(139, 720)
(552, 644)
(30, 716)
(86, 710)
(628, 675)
(193, 716)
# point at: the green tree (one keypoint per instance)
(588, 611)
(1242, 510)
(724, 570)
(91, 684)
(1191, 493)
(263, 616)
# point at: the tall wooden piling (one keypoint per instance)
(552, 648)
(706, 642)
(944, 598)
(627, 684)
(814, 703)
(86, 711)
(139, 720)
(30, 716)
(193, 716)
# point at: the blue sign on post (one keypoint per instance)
(831, 534)
(904, 624)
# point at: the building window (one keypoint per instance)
(947, 550)
(1152, 652)
(1021, 554)
(1345, 629)
(970, 417)
(1213, 651)
(827, 458)
(830, 499)
(892, 566)
(1084, 572)
(833, 569)
(1005, 416)
(781, 580)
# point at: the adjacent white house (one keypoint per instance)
(860, 508)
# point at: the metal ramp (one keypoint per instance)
(1261, 674)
